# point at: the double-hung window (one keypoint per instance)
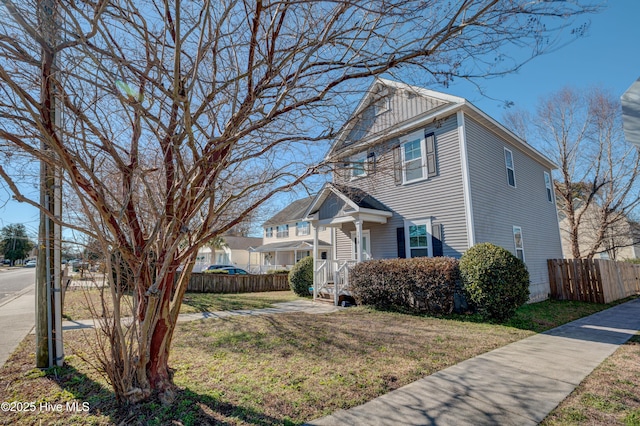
(547, 184)
(511, 171)
(418, 157)
(282, 231)
(359, 166)
(303, 228)
(418, 238)
(519, 244)
(268, 232)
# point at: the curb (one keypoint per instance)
(19, 294)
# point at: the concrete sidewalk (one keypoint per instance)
(278, 308)
(17, 319)
(518, 384)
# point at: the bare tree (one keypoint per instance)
(596, 186)
(181, 117)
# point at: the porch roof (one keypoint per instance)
(289, 246)
(359, 205)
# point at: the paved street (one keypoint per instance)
(13, 281)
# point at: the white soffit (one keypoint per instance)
(631, 113)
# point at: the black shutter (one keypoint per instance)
(402, 251)
(436, 239)
(432, 161)
(397, 165)
(370, 163)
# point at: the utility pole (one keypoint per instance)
(49, 347)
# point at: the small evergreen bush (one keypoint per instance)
(278, 271)
(216, 271)
(301, 276)
(418, 285)
(495, 281)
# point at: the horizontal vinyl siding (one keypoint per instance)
(497, 207)
(439, 198)
(343, 242)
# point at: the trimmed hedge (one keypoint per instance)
(419, 285)
(216, 271)
(301, 276)
(494, 280)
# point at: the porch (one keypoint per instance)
(341, 207)
(331, 280)
(285, 254)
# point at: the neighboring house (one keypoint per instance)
(288, 237)
(236, 250)
(621, 239)
(422, 173)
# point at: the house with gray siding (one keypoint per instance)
(423, 173)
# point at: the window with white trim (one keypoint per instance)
(418, 238)
(303, 228)
(511, 171)
(301, 254)
(416, 158)
(519, 244)
(359, 166)
(413, 158)
(547, 184)
(268, 232)
(282, 231)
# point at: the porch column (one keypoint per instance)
(359, 240)
(315, 262)
(275, 259)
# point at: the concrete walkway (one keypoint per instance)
(17, 319)
(518, 384)
(278, 308)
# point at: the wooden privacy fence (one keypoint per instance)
(592, 280)
(222, 283)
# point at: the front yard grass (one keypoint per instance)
(77, 302)
(278, 369)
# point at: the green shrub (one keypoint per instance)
(215, 271)
(418, 285)
(278, 271)
(495, 281)
(301, 276)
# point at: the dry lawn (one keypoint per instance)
(609, 396)
(291, 368)
(78, 303)
(281, 369)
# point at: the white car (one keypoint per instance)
(30, 264)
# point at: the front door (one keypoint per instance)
(366, 247)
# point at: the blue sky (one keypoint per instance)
(608, 56)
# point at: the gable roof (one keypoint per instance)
(360, 198)
(359, 203)
(242, 243)
(294, 211)
(448, 105)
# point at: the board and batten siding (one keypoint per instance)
(497, 206)
(440, 198)
(404, 106)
